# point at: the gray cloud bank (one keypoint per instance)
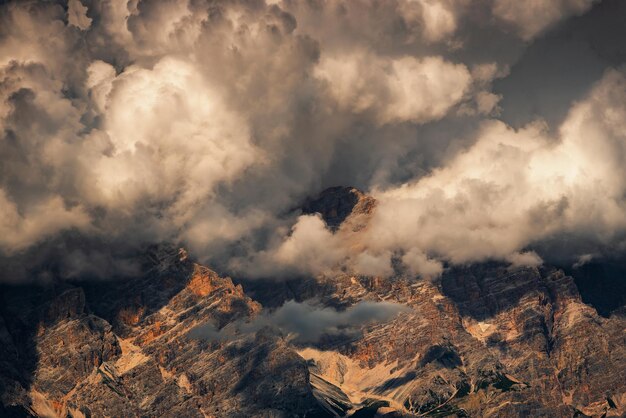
(124, 123)
(303, 322)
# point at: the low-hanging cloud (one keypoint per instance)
(303, 322)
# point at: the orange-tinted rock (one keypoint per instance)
(201, 283)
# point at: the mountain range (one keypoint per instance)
(180, 340)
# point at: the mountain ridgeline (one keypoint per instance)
(482, 340)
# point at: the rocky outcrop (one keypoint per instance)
(54, 345)
(476, 347)
(144, 362)
(336, 204)
(483, 340)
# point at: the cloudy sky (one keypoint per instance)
(486, 129)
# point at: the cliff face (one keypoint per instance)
(483, 340)
(138, 358)
(340, 206)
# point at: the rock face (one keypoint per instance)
(484, 340)
(124, 350)
(337, 204)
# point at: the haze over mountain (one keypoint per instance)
(312, 208)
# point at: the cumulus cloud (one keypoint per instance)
(171, 137)
(206, 123)
(395, 90)
(508, 191)
(438, 19)
(308, 248)
(516, 187)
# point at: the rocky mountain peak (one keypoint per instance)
(336, 204)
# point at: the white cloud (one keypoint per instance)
(516, 187)
(421, 265)
(438, 19)
(171, 133)
(310, 248)
(395, 90)
(135, 122)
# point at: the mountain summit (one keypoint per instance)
(335, 204)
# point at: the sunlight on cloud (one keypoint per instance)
(207, 124)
